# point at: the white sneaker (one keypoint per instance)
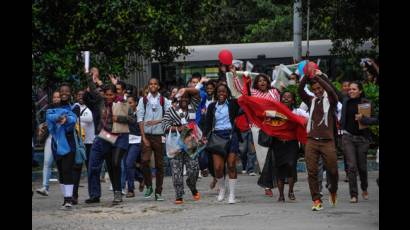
(243, 171)
(42, 191)
(231, 198)
(252, 174)
(123, 192)
(200, 174)
(221, 186)
(111, 187)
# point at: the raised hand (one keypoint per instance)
(113, 79)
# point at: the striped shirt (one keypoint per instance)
(176, 117)
(272, 94)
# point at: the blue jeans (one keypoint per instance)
(48, 162)
(133, 155)
(247, 151)
(99, 151)
(123, 172)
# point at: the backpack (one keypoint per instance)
(161, 102)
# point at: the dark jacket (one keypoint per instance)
(133, 124)
(233, 107)
(102, 111)
(329, 132)
(94, 101)
(373, 120)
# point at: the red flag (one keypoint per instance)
(274, 118)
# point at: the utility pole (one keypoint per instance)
(297, 30)
(307, 30)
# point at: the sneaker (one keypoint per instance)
(317, 205)
(123, 192)
(130, 194)
(67, 205)
(353, 199)
(205, 172)
(252, 174)
(365, 195)
(74, 201)
(243, 171)
(197, 196)
(231, 199)
(117, 197)
(158, 197)
(179, 201)
(92, 200)
(333, 199)
(268, 192)
(221, 194)
(110, 187)
(148, 192)
(42, 191)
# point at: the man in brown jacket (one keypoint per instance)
(320, 129)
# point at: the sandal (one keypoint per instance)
(281, 199)
(291, 196)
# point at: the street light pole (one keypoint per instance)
(297, 30)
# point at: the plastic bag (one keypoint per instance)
(171, 144)
(191, 140)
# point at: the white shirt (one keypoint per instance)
(88, 124)
(301, 112)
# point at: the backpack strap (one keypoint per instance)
(161, 102)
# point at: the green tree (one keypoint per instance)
(347, 23)
(110, 30)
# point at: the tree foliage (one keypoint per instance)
(110, 30)
(161, 29)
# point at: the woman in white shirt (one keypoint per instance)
(87, 123)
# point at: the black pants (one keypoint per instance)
(113, 161)
(356, 148)
(87, 153)
(77, 170)
(65, 167)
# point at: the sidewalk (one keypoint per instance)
(254, 211)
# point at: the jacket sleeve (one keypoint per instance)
(338, 93)
(71, 120)
(52, 115)
(328, 88)
(302, 93)
(209, 118)
(87, 116)
(166, 121)
(140, 110)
